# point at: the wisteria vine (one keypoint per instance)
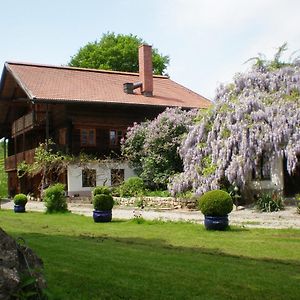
(259, 112)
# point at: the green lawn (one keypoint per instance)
(157, 260)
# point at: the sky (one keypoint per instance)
(208, 41)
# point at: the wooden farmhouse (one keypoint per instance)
(81, 110)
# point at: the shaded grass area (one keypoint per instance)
(159, 260)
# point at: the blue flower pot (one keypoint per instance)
(216, 223)
(102, 216)
(18, 208)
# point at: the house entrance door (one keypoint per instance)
(291, 181)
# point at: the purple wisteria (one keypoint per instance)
(258, 113)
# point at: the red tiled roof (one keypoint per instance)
(55, 83)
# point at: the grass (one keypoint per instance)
(159, 260)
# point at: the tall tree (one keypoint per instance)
(258, 114)
(117, 53)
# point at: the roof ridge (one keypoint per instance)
(79, 69)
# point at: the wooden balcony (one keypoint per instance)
(27, 122)
(12, 161)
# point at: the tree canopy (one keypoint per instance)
(258, 113)
(117, 53)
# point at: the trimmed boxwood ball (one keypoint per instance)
(101, 190)
(215, 203)
(103, 202)
(20, 199)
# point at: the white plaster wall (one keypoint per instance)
(277, 180)
(103, 175)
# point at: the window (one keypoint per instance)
(88, 177)
(87, 137)
(117, 176)
(263, 169)
(115, 137)
(62, 136)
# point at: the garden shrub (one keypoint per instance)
(55, 199)
(103, 202)
(151, 147)
(269, 202)
(132, 187)
(101, 190)
(20, 199)
(157, 193)
(215, 203)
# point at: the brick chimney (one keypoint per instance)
(145, 70)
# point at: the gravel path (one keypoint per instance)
(248, 217)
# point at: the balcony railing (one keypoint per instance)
(27, 122)
(12, 161)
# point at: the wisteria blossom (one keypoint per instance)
(258, 113)
(152, 146)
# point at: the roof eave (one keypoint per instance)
(19, 81)
(101, 102)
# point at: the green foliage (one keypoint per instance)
(132, 187)
(101, 190)
(268, 202)
(208, 167)
(27, 289)
(157, 193)
(152, 147)
(103, 202)
(215, 203)
(20, 199)
(117, 53)
(46, 162)
(55, 199)
(276, 63)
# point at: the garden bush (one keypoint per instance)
(103, 202)
(20, 199)
(101, 190)
(151, 147)
(132, 187)
(269, 202)
(215, 203)
(55, 199)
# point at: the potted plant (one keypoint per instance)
(103, 204)
(20, 201)
(216, 205)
